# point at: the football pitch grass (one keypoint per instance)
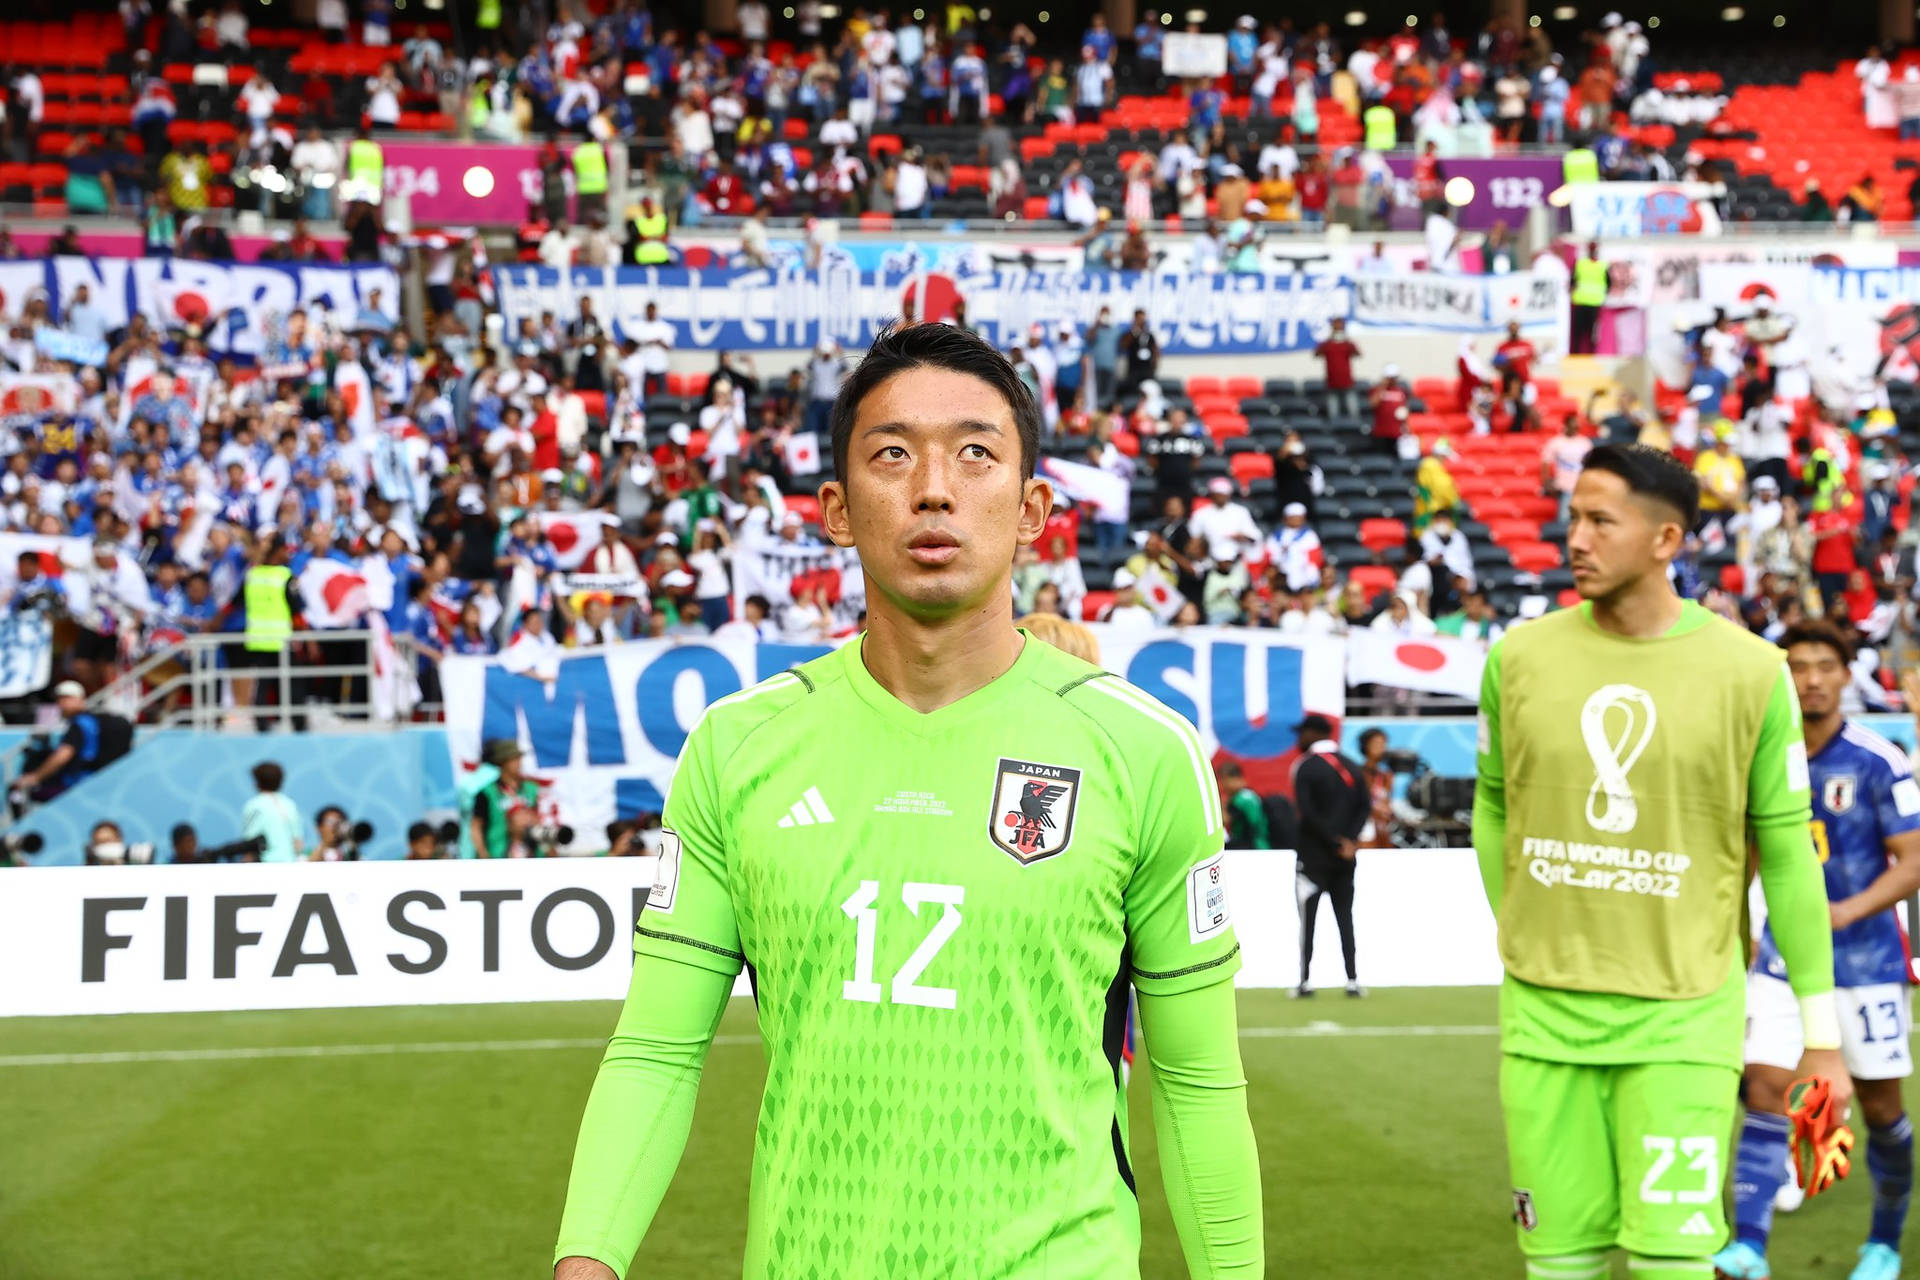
(356, 1143)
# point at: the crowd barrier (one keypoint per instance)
(97, 940)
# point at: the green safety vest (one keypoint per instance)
(367, 163)
(269, 620)
(1657, 843)
(489, 17)
(590, 169)
(1589, 283)
(1830, 489)
(1580, 165)
(477, 109)
(653, 240)
(497, 802)
(1382, 129)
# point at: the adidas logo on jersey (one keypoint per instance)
(809, 810)
(1697, 1225)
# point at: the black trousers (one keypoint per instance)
(1307, 892)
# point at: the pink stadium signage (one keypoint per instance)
(462, 183)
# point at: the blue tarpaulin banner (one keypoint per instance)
(774, 308)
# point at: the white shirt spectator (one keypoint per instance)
(383, 100)
(1227, 528)
(26, 87)
(753, 18)
(1271, 59)
(1361, 67)
(838, 133)
(909, 186)
(694, 128)
(1297, 554)
(1077, 204)
(533, 655)
(1177, 159)
(1451, 546)
(656, 340)
(1131, 617)
(311, 158)
(880, 45)
(1278, 155)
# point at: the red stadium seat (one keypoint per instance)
(1094, 604)
(806, 506)
(1244, 388)
(1374, 578)
(873, 221)
(1250, 466)
(1127, 443)
(1379, 533)
(1035, 209)
(1534, 557)
(1199, 387)
(1733, 579)
(884, 142)
(1502, 532)
(595, 402)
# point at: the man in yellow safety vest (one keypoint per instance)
(1589, 295)
(590, 181)
(366, 168)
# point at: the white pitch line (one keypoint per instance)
(1312, 1031)
(243, 1053)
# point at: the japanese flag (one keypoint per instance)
(356, 390)
(1432, 664)
(1157, 592)
(333, 594)
(803, 453)
(573, 534)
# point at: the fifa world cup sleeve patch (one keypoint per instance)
(1906, 797)
(1797, 779)
(1206, 900)
(1483, 738)
(666, 874)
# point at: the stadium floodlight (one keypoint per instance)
(436, 4)
(210, 74)
(1459, 192)
(1166, 19)
(1413, 20)
(1356, 18)
(1732, 13)
(1779, 19)
(1196, 15)
(1044, 16)
(1652, 23)
(477, 182)
(1534, 20)
(1565, 13)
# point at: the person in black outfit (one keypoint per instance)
(92, 741)
(1333, 804)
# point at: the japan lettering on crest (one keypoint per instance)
(1033, 806)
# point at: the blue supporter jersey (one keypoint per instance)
(1863, 792)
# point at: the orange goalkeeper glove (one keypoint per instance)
(1822, 1143)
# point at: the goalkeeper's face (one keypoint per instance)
(933, 498)
(1615, 537)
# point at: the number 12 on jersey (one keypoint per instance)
(864, 910)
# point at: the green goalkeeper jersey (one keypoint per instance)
(1628, 773)
(941, 914)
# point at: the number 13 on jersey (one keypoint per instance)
(863, 908)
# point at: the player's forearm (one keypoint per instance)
(1894, 885)
(1797, 908)
(640, 1111)
(1490, 838)
(1208, 1160)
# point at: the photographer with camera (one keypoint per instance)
(425, 842)
(108, 847)
(272, 818)
(502, 817)
(339, 840)
(92, 741)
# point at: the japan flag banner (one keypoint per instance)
(573, 534)
(803, 453)
(1431, 664)
(332, 594)
(1158, 593)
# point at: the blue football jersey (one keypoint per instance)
(1863, 792)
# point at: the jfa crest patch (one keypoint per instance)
(1033, 804)
(1523, 1210)
(1838, 792)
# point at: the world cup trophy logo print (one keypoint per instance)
(1610, 803)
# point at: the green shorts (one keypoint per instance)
(1627, 1157)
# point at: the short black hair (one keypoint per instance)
(268, 776)
(419, 831)
(1370, 735)
(1818, 631)
(899, 348)
(1650, 473)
